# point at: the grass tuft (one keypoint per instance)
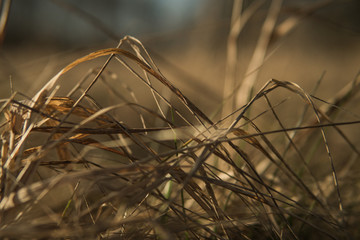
(74, 166)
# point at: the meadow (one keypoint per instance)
(264, 146)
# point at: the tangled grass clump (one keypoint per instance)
(72, 168)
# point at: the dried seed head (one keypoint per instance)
(16, 115)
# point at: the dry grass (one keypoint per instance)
(75, 166)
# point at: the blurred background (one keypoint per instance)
(188, 40)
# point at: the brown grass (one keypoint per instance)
(73, 167)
